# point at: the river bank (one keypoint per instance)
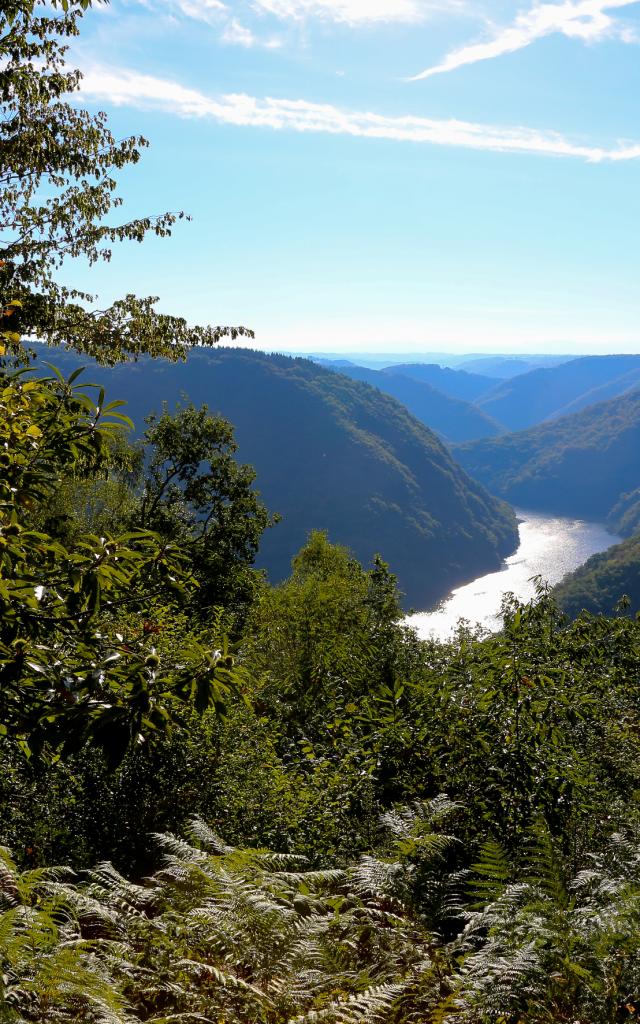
(550, 546)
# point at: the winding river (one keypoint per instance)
(550, 546)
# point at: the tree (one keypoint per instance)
(67, 675)
(326, 638)
(57, 190)
(194, 492)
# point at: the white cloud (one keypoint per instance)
(353, 12)
(349, 12)
(220, 16)
(578, 19)
(237, 34)
(122, 87)
(210, 11)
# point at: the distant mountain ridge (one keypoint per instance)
(468, 387)
(332, 453)
(452, 418)
(577, 465)
(549, 392)
(611, 389)
(508, 366)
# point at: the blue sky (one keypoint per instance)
(381, 174)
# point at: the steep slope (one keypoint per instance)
(577, 465)
(453, 419)
(542, 394)
(624, 517)
(334, 454)
(468, 387)
(599, 584)
(618, 386)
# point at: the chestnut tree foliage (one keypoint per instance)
(70, 673)
(67, 673)
(58, 167)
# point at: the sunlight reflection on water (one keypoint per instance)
(550, 546)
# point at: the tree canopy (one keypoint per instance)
(70, 672)
(67, 673)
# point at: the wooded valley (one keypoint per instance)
(236, 786)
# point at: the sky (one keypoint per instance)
(380, 175)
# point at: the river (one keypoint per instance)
(550, 546)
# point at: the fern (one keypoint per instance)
(222, 934)
(493, 872)
(49, 969)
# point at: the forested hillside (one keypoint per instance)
(611, 389)
(453, 419)
(600, 585)
(624, 517)
(334, 454)
(607, 579)
(224, 801)
(578, 465)
(546, 393)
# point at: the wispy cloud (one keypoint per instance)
(578, 19)
(237, 34)
(354, 12)
(349, 12)
(122, 87)
(210, 11)
(231, 29)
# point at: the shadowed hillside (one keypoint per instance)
(468, 387)
(453, 419)
(578, 465)
(332, 453)
(624, 517)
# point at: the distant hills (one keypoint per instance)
(448, 415)
(468, 387)
(491, 405)
(498, 366)
(610, 389)
(333, 453)
(551, 392)
(577, 465)
(505, 367)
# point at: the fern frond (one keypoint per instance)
(199, 970)
(403, 822)
(372, 876)
(493, 872)
(544, 864)
(180, 850)
(371, 1005)
(199, 832)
